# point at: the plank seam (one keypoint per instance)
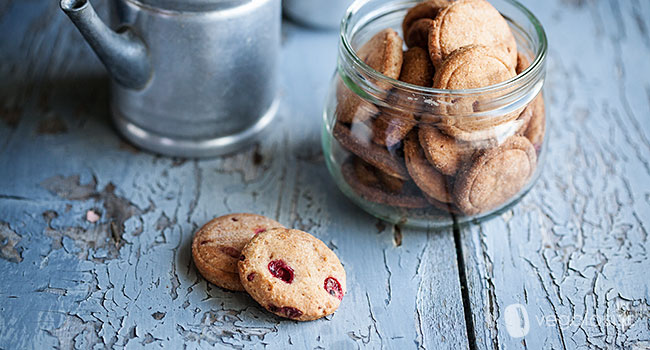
(464, 288)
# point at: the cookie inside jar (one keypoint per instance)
(459, 126)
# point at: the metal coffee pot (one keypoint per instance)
(190, 78)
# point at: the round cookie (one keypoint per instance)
(390, 183)
(495, 176)
(537, 125)
(524, 118)
(216, 246)
(394, 123)
(425, 176)
(418, 34)
(292, 274)
(471, 22)
(427, 9)
(371, 176)
(535, 107)
(522, 63)
(390, 127)
(408, 197)
(365, 173)
(383, 53)
(416, 67)
(472, 67)
(356, 139)
(350, 107)
(443, 152)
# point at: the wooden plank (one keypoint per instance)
(127, 280)
(574, 252)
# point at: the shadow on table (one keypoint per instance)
(56, 105)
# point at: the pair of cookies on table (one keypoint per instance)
(441, 158)
(289, 272)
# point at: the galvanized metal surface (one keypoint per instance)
(188, 83)
(573, 253)
(325, 14)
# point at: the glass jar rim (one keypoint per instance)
(527, 74)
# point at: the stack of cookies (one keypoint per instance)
(451, 152)
(289, 272)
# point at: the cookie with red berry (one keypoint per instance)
(292, 274)
(217, 246)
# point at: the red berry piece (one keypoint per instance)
(281, 270)
(333, 287)
(251, 276)
(259, 230)
(230, 251)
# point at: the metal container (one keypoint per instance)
(190, 78)
(316, 13)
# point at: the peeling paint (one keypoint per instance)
(223, 330)
(380, 226)
(70, 187)
(163, 222)
(158, 315)
(397, 235)
(75, 333)
(8, 241)
(249, 164)
(105, 233)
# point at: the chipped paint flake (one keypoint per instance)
(8, 241)
(103, 237)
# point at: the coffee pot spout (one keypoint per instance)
(123, 53)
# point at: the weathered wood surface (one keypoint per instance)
(127, 280)
(573, 252)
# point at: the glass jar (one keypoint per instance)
(426, 157)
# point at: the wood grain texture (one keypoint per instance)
(574, 252)
(127, 281)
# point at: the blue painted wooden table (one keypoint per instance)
(572, 257)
